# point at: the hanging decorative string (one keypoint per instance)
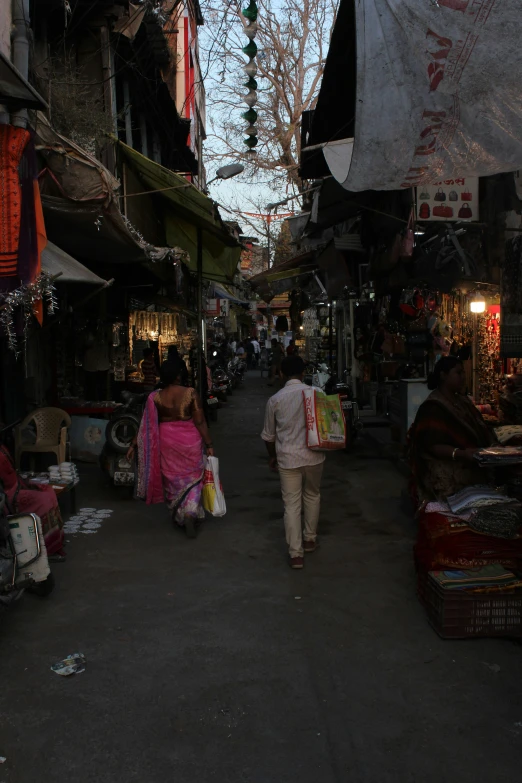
(26, 298)
(250, 13)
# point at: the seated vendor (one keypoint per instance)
(445, 435)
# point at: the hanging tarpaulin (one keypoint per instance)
(438, 93)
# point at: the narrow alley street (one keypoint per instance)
(210, 660)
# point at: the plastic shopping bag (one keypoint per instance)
(212, 494)
(325, 423)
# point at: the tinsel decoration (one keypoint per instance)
(26, 298)
(250, 13)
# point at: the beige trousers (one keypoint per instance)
(298, 486)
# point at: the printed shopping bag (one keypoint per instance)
(325, 424)
(212, 494)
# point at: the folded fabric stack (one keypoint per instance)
(488, 579)
(499, 456)
(64, 473)
(507, 432)
(478, 526)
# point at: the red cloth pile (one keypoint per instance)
(447, 542)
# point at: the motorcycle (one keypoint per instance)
(23, 559)
(120, 432)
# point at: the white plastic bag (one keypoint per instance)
(212, 494)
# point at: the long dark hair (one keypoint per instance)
(444, 365)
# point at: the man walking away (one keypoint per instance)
(300, 468)
(257, 351)
(277, 357)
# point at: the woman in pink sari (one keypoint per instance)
(170, 444)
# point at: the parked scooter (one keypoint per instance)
(122, 428)
(23, 558)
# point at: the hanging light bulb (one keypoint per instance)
(477, 304)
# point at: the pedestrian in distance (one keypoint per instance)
(300, 468)
(291, 349)
(278, 354)
(250, 353)
(257, 352)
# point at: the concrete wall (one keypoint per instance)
(5, 27)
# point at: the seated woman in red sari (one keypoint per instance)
(170, 442)
(25, 497)
(446, 433)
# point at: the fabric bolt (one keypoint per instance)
(475, 496)
(301, 487)
(444, 543)
(285, 425)
(12, 143)
(491, 578)
(503, 521)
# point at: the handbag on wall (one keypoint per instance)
(440, 195)
(424, 196)
(465, 211)
(466, 196)
(424, 211)
(453, 195)
(443, 211)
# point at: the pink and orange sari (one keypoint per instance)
(170, 464)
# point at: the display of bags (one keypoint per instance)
(424, 211)
(453, 196)
(440, 195)
(325, 424)
(443, 211)
(465, 211)
(212, 495)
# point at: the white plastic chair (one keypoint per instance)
(51, 434)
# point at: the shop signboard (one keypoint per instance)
(449, 199)
(212, 307)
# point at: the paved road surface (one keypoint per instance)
(211, 661)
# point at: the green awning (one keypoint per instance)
(185, 209)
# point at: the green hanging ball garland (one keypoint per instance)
(250, 13)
